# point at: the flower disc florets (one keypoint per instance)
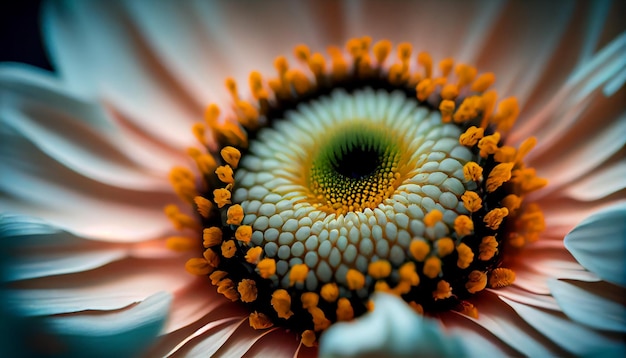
(355, 178)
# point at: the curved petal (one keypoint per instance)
(75, 132)
(599, 243)
(33, 183)
(597, 305)
(391, 329)
(103, 334)
(570, 336)
(600, 184)
(110, 287)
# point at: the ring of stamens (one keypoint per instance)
(365, 179)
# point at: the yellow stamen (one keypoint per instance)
(229, 249)
(494, 218)
(526, 180)
(204, 206)
(302, 52)
(404, 54)
(472, 171)
(483, 82)
(402, 288)
(345, 312)
(443, 291)
(221, 197)
(432, 267)
(225, 174)
(525, 147)
(179, 220)
(425, 88)
(309, 300)
(471, 136)
(231, 86)
(506, 115)
(505, 154)
(205, 162)
(355, 280)
(254, 254)
(471, 201)
(489, 99)
(281, 301)
(512, 202)
(501, 277)
(247, 290)
(408, 274)
(488, 248)
(488, 144)
(266, 267)
(467, 309)
(299, 81)
(500, 174)
(446, 66)
(419, 249)
(417, 307)
(227, 288)
(424, 59)
(234, 215)
(244, 233)
(382, 286)
(212, 236)
(231, 155)
(255, 80)
(181, 243)
(476, 281)
(446, 107)
(217, 276)
(449, 92)
(259, 320)
(298, 274)
(466, 256)
(199, 132)
(469, 109)
(330, 292)
(198, 266)
(248, 115)
(339, 65)
(308, 338)
(381, 50)
(463, 225)
(379, 269)
(465, 74)
(320, 322)
(445, 246)
(211, 257)
(183, 182)
(317, 65)
(432, 218)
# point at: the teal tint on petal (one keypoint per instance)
(125, 333)
(599, 305)
(393, 329)
(599, 243)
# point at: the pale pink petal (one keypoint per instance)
(207, 340)
(477, 340)
(113, 286)
(37, 185)
(598, 305)
(242, 340)
(526, 297)
(502, 321)
(75, 132)
(569, 335)
(279, 343)
(599, 183)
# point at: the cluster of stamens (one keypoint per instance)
(355, 178)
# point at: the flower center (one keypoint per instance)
(365, 179)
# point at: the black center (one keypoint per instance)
(357, 163)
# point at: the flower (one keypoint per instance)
(88, 151)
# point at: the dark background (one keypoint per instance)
(20, 33)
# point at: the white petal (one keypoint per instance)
(113, 286)
(527, 297)
(599, 183)
(391, 329)
(599, 243)
(503, 322)
(570, 336)
(125, 333)
(37, 185)
(77, 133)
(596, 305)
